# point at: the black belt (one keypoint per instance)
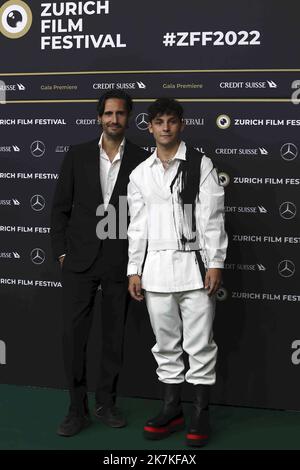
(201, 265)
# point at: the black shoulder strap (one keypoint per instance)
(190, 169)
(188, 191)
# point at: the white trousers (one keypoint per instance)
(182, 321)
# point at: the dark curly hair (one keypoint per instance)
(165, 106)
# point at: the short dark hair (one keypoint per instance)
(165, 106)
(118, 94)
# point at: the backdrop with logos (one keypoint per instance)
(236, 71)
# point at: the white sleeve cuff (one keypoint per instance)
(133, 269)
(216, 264)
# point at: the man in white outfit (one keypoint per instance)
(177, 223)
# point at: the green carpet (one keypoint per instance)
(29, 418)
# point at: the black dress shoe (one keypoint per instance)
(110, 415)
(73, 424)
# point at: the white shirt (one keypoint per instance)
(171, 270)
(109, 170)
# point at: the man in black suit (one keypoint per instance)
(94, 174)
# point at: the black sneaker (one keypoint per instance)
(110, 415)
(73, 424)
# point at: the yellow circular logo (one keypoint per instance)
(223, 121)
(15, 19)
(224, 179)
(222, 294)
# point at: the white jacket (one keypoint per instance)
(152, 218)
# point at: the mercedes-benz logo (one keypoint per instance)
(224, 179)
(289, 152)
(37, 148)
(287, 210)
(142, 121)
(37, 202)
(37, 256)
(286, 268)
(221, 294)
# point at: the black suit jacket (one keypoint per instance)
(77, 196)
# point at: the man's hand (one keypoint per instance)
(213, 280)
(135, 287)
(61, 260)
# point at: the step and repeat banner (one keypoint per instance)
(235, 68)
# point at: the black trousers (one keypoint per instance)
(79, 291)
